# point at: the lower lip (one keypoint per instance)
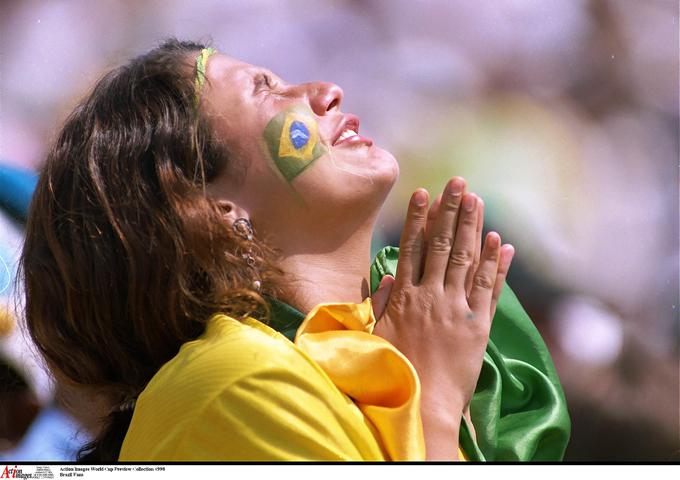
(355, 140)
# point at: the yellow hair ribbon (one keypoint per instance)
(201, 63)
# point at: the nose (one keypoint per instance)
(324, 97)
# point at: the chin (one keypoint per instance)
(387, 169)
(384, 172)
(384, 167)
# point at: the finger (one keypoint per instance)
(484, 279)
(431, 216)
(381, 296)
(412, 238)
(506, 255)
(463, 251)
(443, 232)
(478, 245)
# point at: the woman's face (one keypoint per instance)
(305, 166)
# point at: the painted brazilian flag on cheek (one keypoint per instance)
(292, 138)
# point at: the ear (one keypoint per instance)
(231, 212)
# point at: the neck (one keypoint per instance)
(340, 274)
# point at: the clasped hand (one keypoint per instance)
(438, 309)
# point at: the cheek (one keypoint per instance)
(292, 141)
(263, 188)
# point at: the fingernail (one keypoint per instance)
(469, 202)
(494, 239)
(384, 281)
(455, 187)
(420, 198)
(509, 249)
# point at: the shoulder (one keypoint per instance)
(237, 377)
(229, 351)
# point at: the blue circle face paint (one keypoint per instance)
(299, 134)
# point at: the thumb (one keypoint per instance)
(381, 296)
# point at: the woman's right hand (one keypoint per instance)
(439, 310)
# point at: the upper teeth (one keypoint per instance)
(347, 133)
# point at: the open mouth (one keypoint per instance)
(345, 135)
(348, 133)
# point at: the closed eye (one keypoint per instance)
(262, 81)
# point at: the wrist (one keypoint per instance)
(441, 412)
(441, 431)
(440, 401)
(447, 416)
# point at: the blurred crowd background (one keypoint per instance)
(561, 114)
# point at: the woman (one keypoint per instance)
(144, 279)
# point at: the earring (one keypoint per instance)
(128, 404)
(244, 229)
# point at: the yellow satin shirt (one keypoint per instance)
(244, 392)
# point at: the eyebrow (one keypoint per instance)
(265, 72)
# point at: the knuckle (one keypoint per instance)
(494, 256)
(441, 243)
(426, 301)
(420, 300)
(451, 201)
(483, 281)
(418, 215)
(401, 299)
(470, 219)
(410, 248)
(461, 258)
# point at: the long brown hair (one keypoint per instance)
(125, 256)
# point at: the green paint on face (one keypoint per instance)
(292, 137)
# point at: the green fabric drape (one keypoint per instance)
(518, 408)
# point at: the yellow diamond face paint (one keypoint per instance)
(292, 138)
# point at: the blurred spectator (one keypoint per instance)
(19, 407)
